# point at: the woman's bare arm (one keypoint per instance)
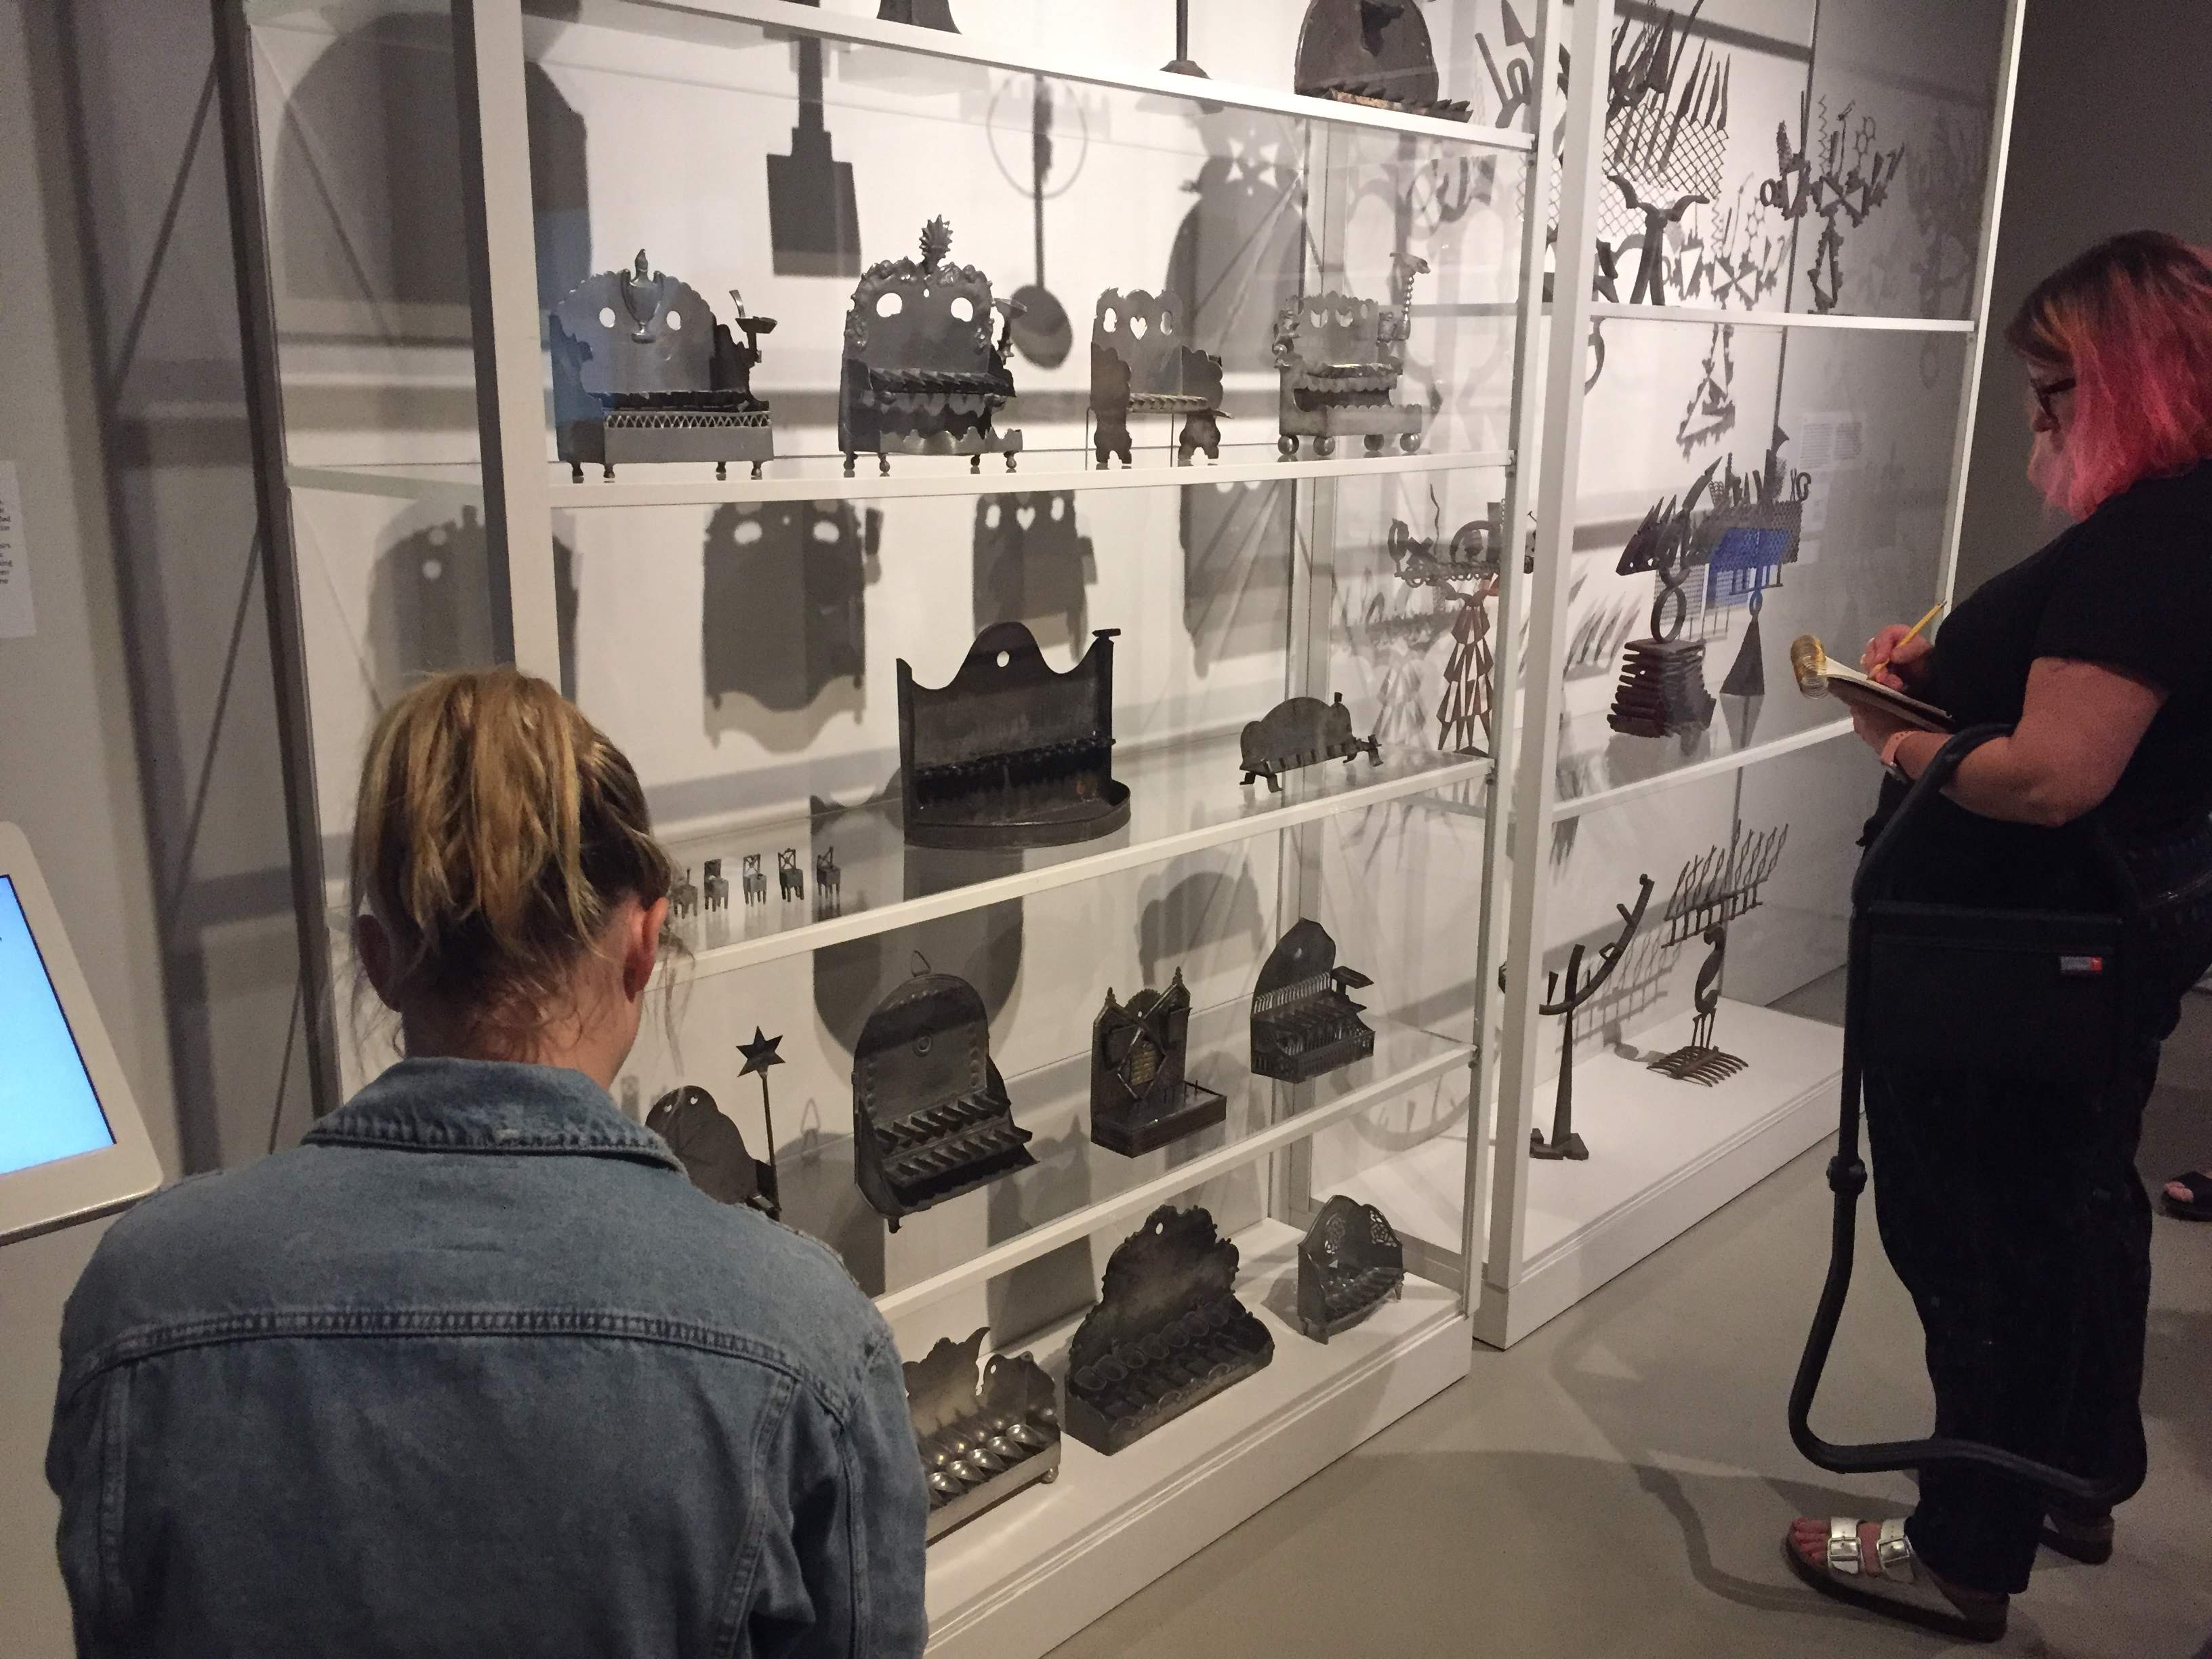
(2077, 733)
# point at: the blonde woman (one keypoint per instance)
(475, 1370)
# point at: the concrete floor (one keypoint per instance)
(1619, 1481)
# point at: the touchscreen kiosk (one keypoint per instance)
(72, 1145)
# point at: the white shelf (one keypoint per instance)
(707, 20)
(820, 477)
(1184, 798)
(1618, 310)
(1026, 1576)
(1719, 767)
(1054, 1103)
(1663, 1156)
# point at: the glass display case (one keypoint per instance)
(1198, 659)
(1039, 526)
(1776, 221)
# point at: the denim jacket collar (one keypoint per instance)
(488, 1106)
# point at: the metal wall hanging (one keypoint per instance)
(1710, 892)
(1339, 359)
(1350, 1263)
(983, 1435)
(922, 373)
(1168, 1333)
(1375, 52)
(712, 1149)
(1469, 570)
(1302, 732)
(1563, 1142)
(1850, 179)
(1010, 754)
(1140, 365)
(930, 1118)
(1304, 1023)
(642, 371)
(1140, 1098)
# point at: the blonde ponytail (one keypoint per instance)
(497, 831)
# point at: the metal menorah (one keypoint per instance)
(1716, 887)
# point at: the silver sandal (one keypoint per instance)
(1895, 1584)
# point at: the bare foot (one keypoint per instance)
(1809, 1538)
(2178, 1189)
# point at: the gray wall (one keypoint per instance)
(136, 735)
(2109, 135)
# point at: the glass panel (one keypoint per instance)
(1908, 89)
(1870, 419)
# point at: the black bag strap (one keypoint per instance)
(1847, 1178)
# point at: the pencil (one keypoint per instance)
(1913, 635)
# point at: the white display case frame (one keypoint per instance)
(1553, 1235)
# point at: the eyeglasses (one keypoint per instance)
(2046, 391)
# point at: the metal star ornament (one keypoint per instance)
(760, 1054)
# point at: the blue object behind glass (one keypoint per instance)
(48, 1109)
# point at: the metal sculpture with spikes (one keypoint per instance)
(1563, 1142)
(1665, 140)
(1710, 892)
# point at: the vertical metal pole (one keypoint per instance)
(498, 216)
(280, 568)
(1505, 660)
(1970, 399)
(1313, 600)
(1534, 784)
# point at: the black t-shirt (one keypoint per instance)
(2129, 588)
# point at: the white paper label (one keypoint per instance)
(17, 620)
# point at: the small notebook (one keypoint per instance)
(1819, 674)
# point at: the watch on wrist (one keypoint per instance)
(1890, 763)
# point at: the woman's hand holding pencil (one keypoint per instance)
(1898, 657)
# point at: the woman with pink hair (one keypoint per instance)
(2010, 1206)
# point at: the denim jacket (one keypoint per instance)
(477, 1371)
